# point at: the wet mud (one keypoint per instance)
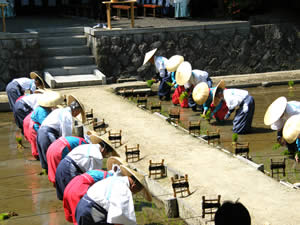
(32, 197)
(261, 139)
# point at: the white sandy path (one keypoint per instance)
(210, 171)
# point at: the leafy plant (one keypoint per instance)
(291, 83)
(150, 83)
(169, 83)
(183, 96)
(276, 146)
(235, 137)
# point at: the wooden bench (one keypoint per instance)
(123, 7)
(153, 7)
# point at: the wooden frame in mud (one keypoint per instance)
(180, 185)
(213, 136)
(194, 128)
(157, 169)
(115, 138)
(276, 166)
(210, 206)
(99, 126)
(132, 153)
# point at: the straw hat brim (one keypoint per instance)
(183, 73)
(129, 172)
(173, 63)
(95, 139)
(114, 160)
(149, 55)
(34, 75)
(50, 99)
(275, 110)
(221, 85)
(72, 98)
(200, 93)
(291, 129)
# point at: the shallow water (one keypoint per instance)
(261, 139)
(32, 197)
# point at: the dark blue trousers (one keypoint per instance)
(89, 212)
(164, 89)
(67, 169)
(45, 136)
(13, 91)
(242, 121)
(21, 110)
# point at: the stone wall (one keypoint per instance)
(220, 49)
(19, 55)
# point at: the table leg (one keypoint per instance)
(132, 14)
(108, 15)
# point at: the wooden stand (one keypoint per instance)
(153, 7)
(174, 115)
(142, 101)
(123, 7)
(155, 108)
(108, 10)
(99, 126)
(132, 153)
(210, 206)
(2, 6)
(157, 169)
(241, 149)
(277, 166)
(115, 138)
(194, 128)
(89, 116)
(213, 136)
(180, 185)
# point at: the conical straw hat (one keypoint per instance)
(183, 73)
(291, 129)
(201, 93)
(141, 179)
(34, 75)
(149, 55)
(173, 63)
(72, 98)
(275, 110)
(221, 85)
(114, 160)
(50, 99)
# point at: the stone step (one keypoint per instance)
(66, 51)
(77, 80)
(62, 41)
(69, 70)
(58, 61)
(58, 31)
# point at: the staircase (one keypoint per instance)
(67, 59)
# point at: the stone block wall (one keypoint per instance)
(220, 49)
(19, 55)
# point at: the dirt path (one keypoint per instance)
(211, 171)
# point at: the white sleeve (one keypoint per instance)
(278, 125)
(66, 124)
(121, 207)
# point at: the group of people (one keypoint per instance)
(193, 88)
(284, 117)
(73, 164)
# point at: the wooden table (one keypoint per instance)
(108, 8)
(3, 5)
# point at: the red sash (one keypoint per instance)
(74, 191)
(54, 154)
(30, 134)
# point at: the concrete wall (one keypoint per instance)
(19, 55)
(220, 49)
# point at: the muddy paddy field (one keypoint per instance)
(32, 197)
(262, 140)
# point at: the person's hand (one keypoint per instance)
(297, 158)
(281, 141)
(227, 116)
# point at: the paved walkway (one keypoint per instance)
(211, 171)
